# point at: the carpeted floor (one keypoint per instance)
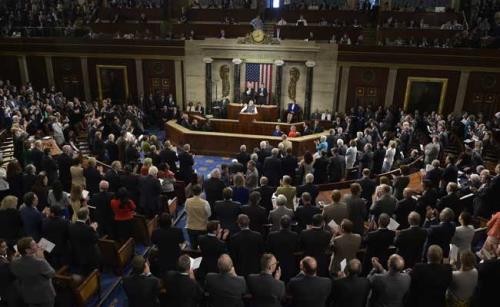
(203, 165)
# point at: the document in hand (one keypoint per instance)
(393, 225)
(334, 226)
(195, 262)
(46, 245)
(343, 264)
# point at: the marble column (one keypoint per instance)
(139, 76)
(208, 84)
(23, 68)
(391, 85)
(309, 82)
(344, 83)
(237, 78)
(462, 90)
(86, 80)
(49, 68)
(179, 88)
(279, 80)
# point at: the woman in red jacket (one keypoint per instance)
(124, 211)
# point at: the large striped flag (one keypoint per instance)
(257, 74)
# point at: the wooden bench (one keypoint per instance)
(143, 229)
(114, 255)
(77, 292)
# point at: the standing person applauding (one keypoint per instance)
(124, 211)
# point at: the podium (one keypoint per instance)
(247, 117)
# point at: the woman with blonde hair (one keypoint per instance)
(76, 200)
(464, 282)
(11, 225)
(76, 170)
(146, 164)
(240, 192)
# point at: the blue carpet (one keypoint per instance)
(205, 164)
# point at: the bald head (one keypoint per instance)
(354, 267)
(103, 185)
(395, 263)
(224, 264)
(308, 265)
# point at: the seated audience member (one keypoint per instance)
(225, 288)
(266, 287)
(280, 210)
(141, 287)
(345, 246)
(306, 288)
(403, 208)
(429, 281)
(464, 281)
(410, 241)
(305, 212)
(227, 211)
(168, 239)
(256, 213)
(301, 21)
(389, 288)
(283, 244)
(246, 247)
(440, 234)
(182, 289)
(83, 241)
(123, 211)
(34, 274)
(56, 230)
(378, 242)
(197, 214)
(351, 290)
(314, 242)
(212, 246)
(337, 210)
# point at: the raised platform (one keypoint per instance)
(265, 113)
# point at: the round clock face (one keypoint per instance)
(258, 36)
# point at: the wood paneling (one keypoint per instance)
(131, 75)
(483, 93)
(37, 71)
(159, 77)
(451, 92)
(367, 86)
(10, 69)
(68, 76)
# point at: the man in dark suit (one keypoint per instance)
(92, 177)
(430, 280)
(181, 287)
(336, 168)
(428, 199)
(410, 242)
(378, 242)
(440, 234)
(384, 203)
(353, 290)
(112, 176)
(284, 243)
(315, 242)
(367, 186)
(401, 182)
(256, 213)
(64, 162)
(186, 163)
(356, 208)
(83, 241)
(404, 207)
(34, 274)
(212, 247)
(168, 156)
(55, 229)
(141, 287)
(487, 286)
(150, 189)
(435, 174)
(213, 188)
(321, 168)
(246, 248)
(266, 288)
(243, 156)
(389, 288)
(227, 210)
(104, 215)
(225, 289)
(305, 212)
(49, 165)
(36, 154)
(307, 289)
(451, 200)
(261, 95)
(289, 163)
(310, 188)
(272, 168)
(266, 193)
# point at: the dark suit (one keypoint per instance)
(321, 170)
(309, 291)
(169, 157)
(428, 199)
(186, 163)
(246, 248)
(314, 242)
(243, 158)
(336, 168)
(356, 207)
(92, 179)
(403, 209)
(272, 170)
(288, 165)
(304, 214)
(226, 211)
(181, 290)
(56, 230)
(451, 201)
(213, 190)
(225, 290)
(367, 189)
(487, 286)
(64, 162)
(283, 244)
(400, 183)
(351, 291)
(386, 204)
(266, 194)
(434, 175)
(36, 156)
(104, 215)
(167, 241)
(83, 241)
(11, 225)
(309, 188)
(211, 248)
(257, 215)
(428, 285)
(142, 290)
(377, 245)
(441, 235)
(266, 291)
(410, 243)
(150, 189)
(113, 178)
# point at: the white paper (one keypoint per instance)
(195, 262)
(466, 196)
(85, 194)
(393, 225)
(334, 226)
(46, 245)
(343, 264)
(161, 181)
(453, 252)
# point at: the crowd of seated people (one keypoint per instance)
(229, 212)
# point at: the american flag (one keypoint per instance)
(257, 74)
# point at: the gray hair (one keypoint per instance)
(281, 200)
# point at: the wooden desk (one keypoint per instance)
(265, 113)
(51, 143)
(247, 118)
